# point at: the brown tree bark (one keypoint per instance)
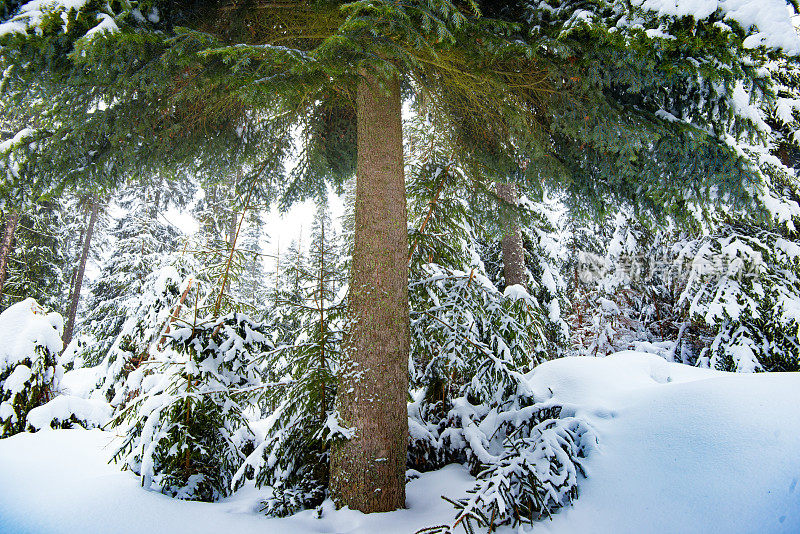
(76, 287)
(513, 252)
(368, 470)
(12, 220)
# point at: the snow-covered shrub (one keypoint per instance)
(472, 404)
(30, 341)
(744, 282)
(294, 457)
(68, 411)
(147, 316)
(466, 338)
(530, 459)
(459, 317)
(186, 432)
(527, 456)
(293, 460)
(630, 296)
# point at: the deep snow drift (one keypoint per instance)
(680, 450)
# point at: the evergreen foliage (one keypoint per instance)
(251, 287)
(544, 259)
(471, 342)
(294, 458)
(628, 297)
(29, 370)
(37, 262)
(649, 94)
(722, 299)
(186, 432)
(620, 105)
(743, 284)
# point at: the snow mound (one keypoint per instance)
(589, 381)
(90, 413)
(25, 326)
(680, 449)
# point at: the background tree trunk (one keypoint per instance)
(78, 249)
(12, 220)
(368, 471)
(513, 252)
(76, 288)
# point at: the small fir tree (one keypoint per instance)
(29, 369)
(186, 433)
(294, 459)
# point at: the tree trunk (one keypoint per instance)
(232, 236)
(321, 304)
(12, 220)
(368, 470)
(78, 249)
(513, 253)
(76, 288)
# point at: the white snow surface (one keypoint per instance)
(80, 382)
(60, 482)
(23, 327)
(680, 450)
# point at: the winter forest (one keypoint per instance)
(412, 267)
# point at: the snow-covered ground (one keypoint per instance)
(680, 450)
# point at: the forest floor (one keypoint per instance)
(680, 450)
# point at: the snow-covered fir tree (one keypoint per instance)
(139, 243)
(29, 369)
(38, 260)
(288, 293)
(148, 315)
(743, 284)
(186, 433)
(294, 458)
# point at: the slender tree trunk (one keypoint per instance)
(277, 273)
(225, 285)
(368, 470)
(321, 304)
(232, 236)
(232, 227)
(78, 250)
(12, 220)
(513, 253)
(156, 204)
(76, 288)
